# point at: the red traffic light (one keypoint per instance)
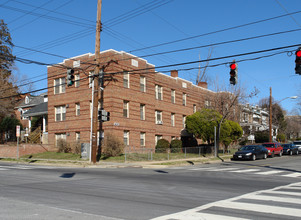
(298, 53)
(233, 65)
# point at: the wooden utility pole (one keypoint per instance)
(270, 121)
(96, 84)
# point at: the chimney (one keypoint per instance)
(174, 73)
(203, 85)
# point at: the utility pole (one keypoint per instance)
(96, 83)
(270, 121)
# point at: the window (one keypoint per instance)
(26, 100)
(158, 137)
(126, 137)
(58, 137)
(126, 109)
(90, 79)
(159, 92)
(59, 85)
(77, 136)
(76, 83)
(77, 109)
(184, 99)
(194, 108)
(173, 96)
(60, 113)
(158, 116)
(142, 84)
(184, 120)
(142, 139)
(172, 119)
(91, 109)
(126, 79)
(142, 111)
(207, 104)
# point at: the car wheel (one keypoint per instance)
(291, 153)
(253, 157)
(265, 156)
(273, 154)
(280, 154)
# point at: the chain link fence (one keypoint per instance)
(147, 154)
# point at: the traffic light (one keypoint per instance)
(298, 61)
(233, 73)
(103, 115)
(70, 77)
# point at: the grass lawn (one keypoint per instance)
(53, 155)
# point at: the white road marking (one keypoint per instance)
(233, 203)
(270, 172)
(292, 175)
(245, 171)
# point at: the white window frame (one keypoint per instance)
(60, 136)
(157, 138)
(126, 137)
(159, 92)
(142, 112)
(194, 108)
(77, 80)
(184, 120)
(142, 84)
(61, 112)
(126, 79)
(173, 96)
(59, 85)
(142, 139)
(77, 136)
(184, 98)
(126, 109)
(172, 119)
(158, 116)
(77, 109)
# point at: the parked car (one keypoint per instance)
(273, 148)
(290, 149)
(298, 144)
(251, 152)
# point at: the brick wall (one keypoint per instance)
(114, 95)
(24, 149)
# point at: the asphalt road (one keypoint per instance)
(262, 189)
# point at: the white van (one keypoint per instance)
(298, 144)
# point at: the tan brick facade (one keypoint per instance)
(115, 94)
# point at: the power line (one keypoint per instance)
(218, 31)
(191, 62)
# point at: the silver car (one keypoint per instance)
(298, 144)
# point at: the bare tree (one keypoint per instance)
(202, 76)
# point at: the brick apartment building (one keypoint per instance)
(144, 105)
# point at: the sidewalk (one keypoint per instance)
(133, 164)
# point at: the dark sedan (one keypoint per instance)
(290, 149)
(251, 152)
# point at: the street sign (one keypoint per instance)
(18, 131)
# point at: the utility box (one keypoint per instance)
(85, 150)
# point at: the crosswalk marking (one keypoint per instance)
(292, 175)
(255, 171)
(275, 199)
(270, 172)
(245, 171)
(260, 208)
(235, 206)
(3, 168)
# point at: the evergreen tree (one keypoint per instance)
(6, 63)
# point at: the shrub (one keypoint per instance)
(63, 146)
(280, 137)
(77, 148)
(162, 144)
(112, 146)
(176, 146)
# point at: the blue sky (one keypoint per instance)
(67, 28)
